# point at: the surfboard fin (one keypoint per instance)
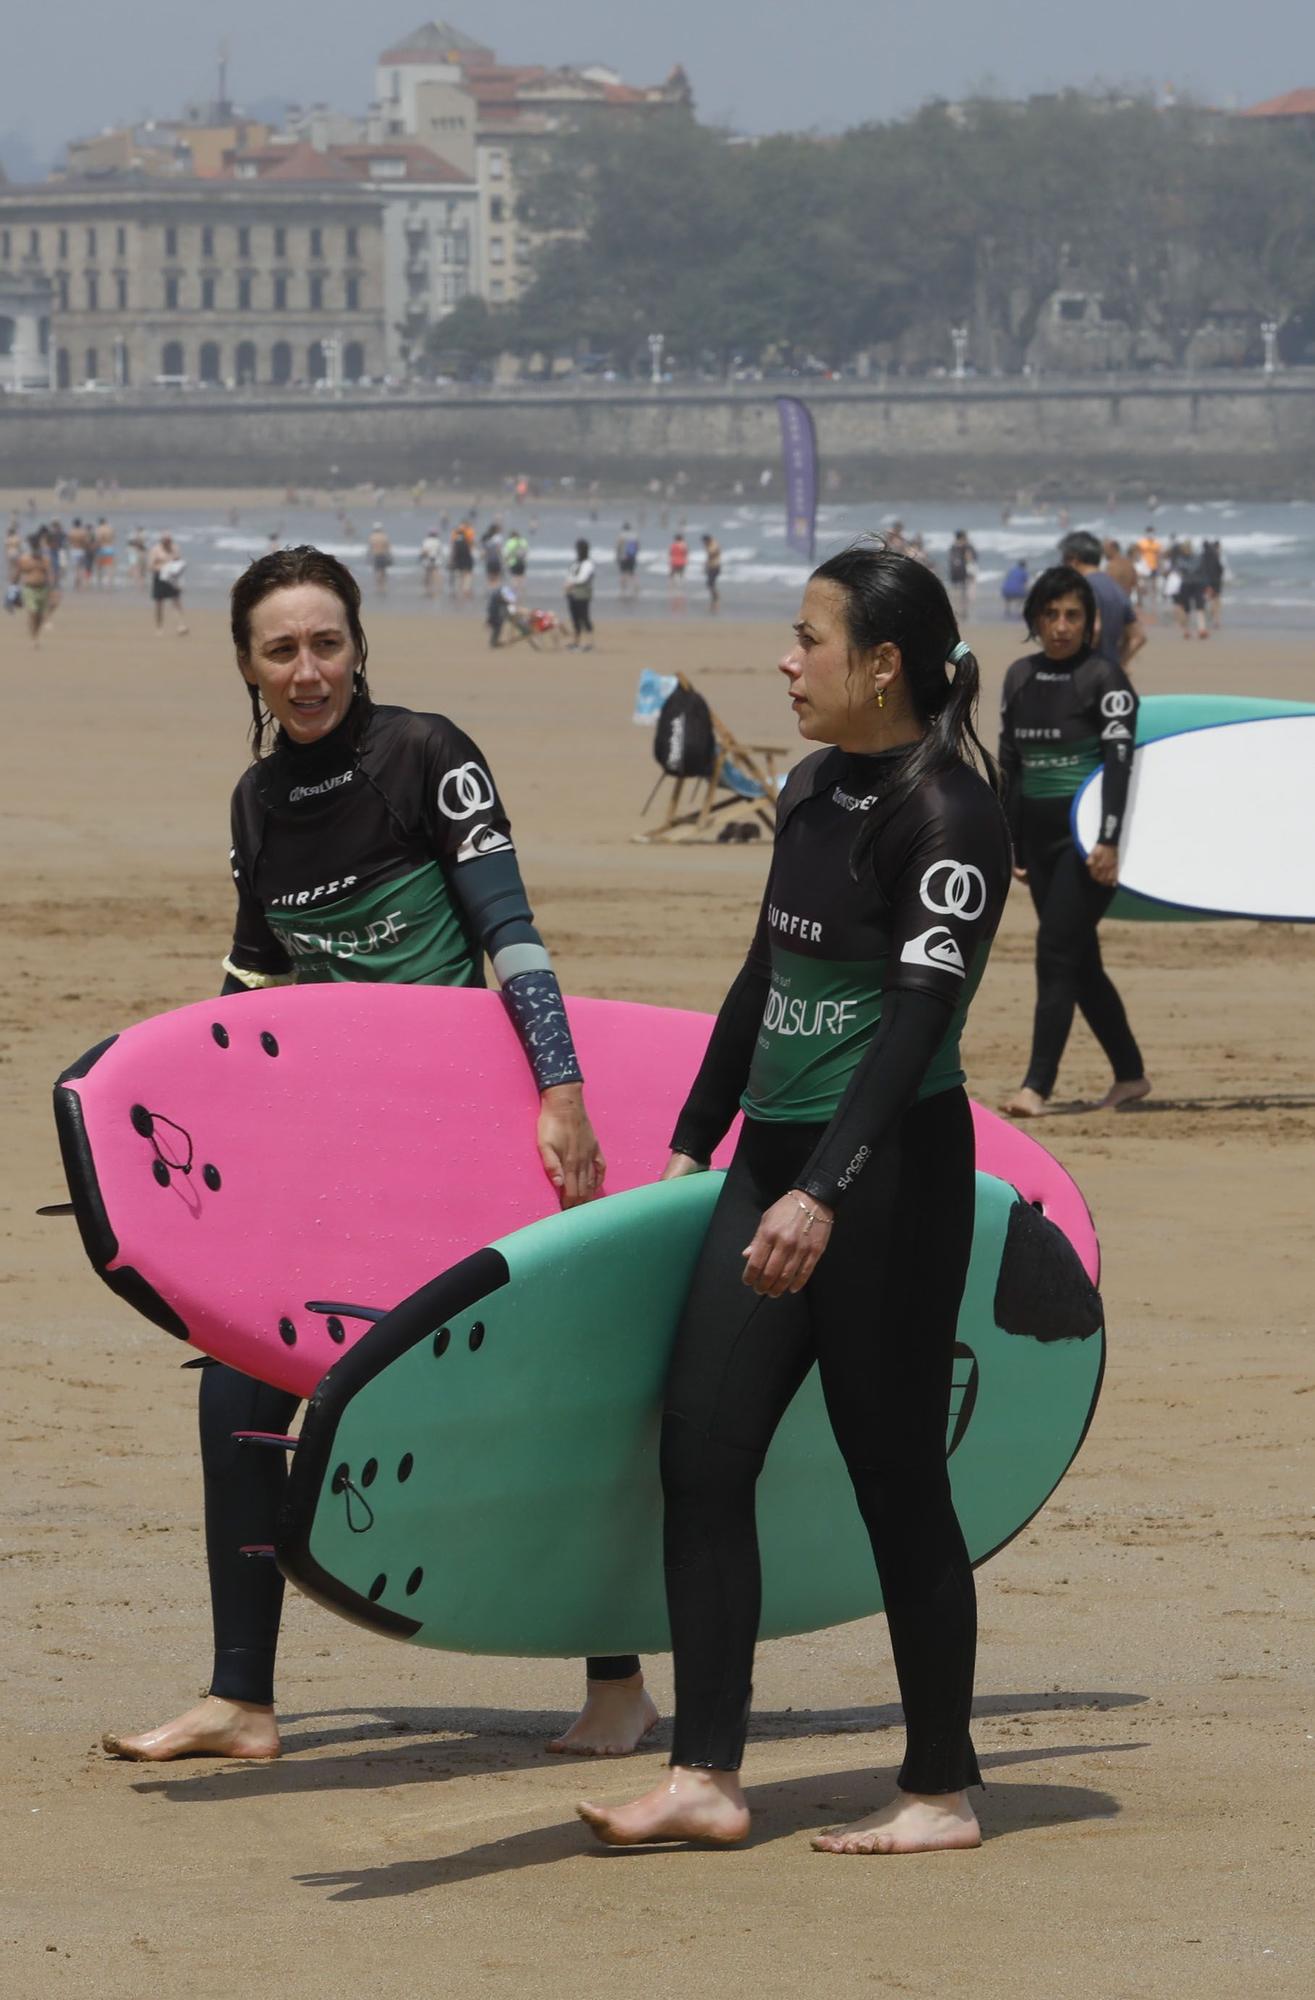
(57, 1208)
(343, 1312)
(272, 1438)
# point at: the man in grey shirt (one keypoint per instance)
(1120, 634)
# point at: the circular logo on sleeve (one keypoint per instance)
(1117, 703)
(954, 889)
(465, 791)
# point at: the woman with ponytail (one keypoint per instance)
(852, 1188)
(369, 843)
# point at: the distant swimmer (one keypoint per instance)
(431, 560)
(379, 548)
(961, 568)
(677, 564)
(712, 570)
(1066, 713)
(627, 561)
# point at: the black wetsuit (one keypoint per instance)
(1060, 723)
(840, 1039)
(382, 853)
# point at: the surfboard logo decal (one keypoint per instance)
(959, 891)
(936, 947)
(964, 1383)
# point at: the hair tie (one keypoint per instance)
(960, 652)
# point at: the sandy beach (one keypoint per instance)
(1146, 1667)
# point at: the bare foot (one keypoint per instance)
(687, 1805)
(1024, 1103)
(1125, 1093)
(912, 1823)
(216, 1727)
(615, 1719)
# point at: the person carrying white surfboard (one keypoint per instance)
(853, 1189)
(1067, 712)
(369, 843)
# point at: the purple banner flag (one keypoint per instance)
(799, 450)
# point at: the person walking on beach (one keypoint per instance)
(105, 555)
(627, 562)
(712, 570)
(166, 567)
(961, 568)
(1120, 634)
(1189, 600)
(516, 553)
(853, 1188)
(579, 599)
(379, 548)
(1212, 575)
(296, 822)
(35, 584)
(1014, 587)
(1121, 567)
(431, 556)
(1067, 713)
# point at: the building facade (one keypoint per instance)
(221, 282)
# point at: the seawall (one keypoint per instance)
(1252, 438)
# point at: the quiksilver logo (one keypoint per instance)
(317, 791)
(937, 948)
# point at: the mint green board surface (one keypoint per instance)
(480, 1472)
(1170, 715)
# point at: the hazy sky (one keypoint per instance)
(824, 64)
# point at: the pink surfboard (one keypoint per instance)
(233, 1161)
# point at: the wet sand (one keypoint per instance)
(1145, 1672)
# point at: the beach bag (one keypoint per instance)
(683, 742)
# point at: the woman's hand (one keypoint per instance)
(567, 1146)
(681, 1164)
(1020, 874)
(1103, 865)
(791, 1237)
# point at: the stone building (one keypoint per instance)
(491, 120)
(174, 281)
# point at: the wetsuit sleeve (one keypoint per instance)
(256, 958)
(714, 1096)
(1011, 764)
(1115, 712)
(491, 897)
(911, 1029)
(463, 814)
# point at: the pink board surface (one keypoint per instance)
(234, 1160)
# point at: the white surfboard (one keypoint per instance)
(1220, 820)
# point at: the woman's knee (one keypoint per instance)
(701, 1470)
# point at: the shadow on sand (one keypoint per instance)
(788, 1810)
(400, 1746)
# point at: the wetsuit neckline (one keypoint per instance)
(344, 740)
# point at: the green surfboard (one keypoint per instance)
(480, 1472)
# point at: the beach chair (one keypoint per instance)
(732, 785)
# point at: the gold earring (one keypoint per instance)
(881, 697)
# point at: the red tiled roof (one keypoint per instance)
(422, 162)
(1292, 104)
(301, 162)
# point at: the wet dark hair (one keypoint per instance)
(282, 569)
(890, 597)
(1054, 583)
(1081, 546)
(581, 550)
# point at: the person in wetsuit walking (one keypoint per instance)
(1067, 712)
(853, 1188)
(370, 843)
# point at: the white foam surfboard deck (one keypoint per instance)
(1220, 819)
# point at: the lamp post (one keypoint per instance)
(1269, 334)
(656, 343)
(959, 336)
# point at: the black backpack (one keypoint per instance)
(684, 742)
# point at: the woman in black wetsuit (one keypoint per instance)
(369, 844)
(852, 1187)
(1066, 713)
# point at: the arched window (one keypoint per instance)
(353, 361)
(172, 361)
(317, 365)
(280, 363)
(245, 361)
(210, 361)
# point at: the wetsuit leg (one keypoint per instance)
(243, 1488)
(885, 1303)
(1069, 969)
(880, 1314)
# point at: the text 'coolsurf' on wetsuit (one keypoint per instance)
(1060, 722)
(384, 854)
(840, 1040)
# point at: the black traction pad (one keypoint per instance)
(1042, 1292)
